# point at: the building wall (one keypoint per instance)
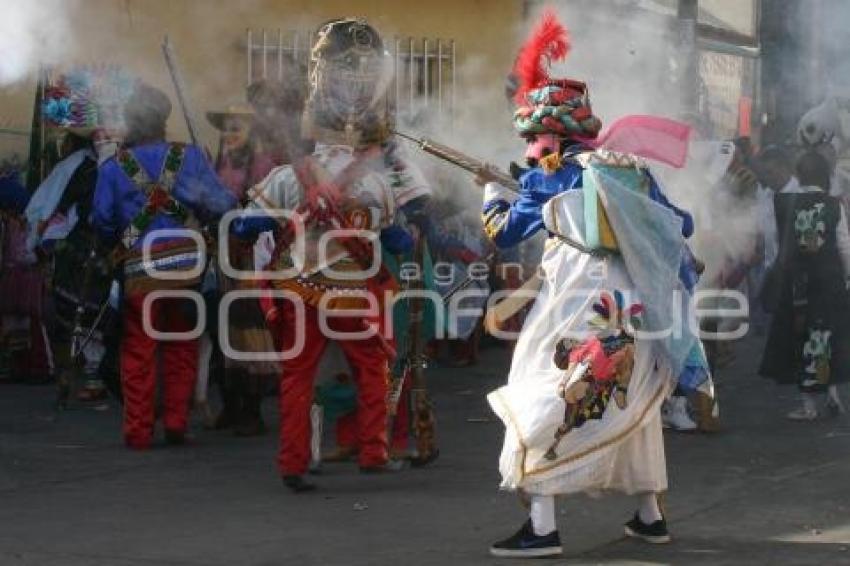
(209, 40)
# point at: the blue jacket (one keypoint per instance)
(508, 224)
(117, 200)
(521, 219)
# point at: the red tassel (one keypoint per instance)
(548, 43)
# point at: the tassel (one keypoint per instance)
(551, 163)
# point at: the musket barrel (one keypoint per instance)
(179, 89)
(474, 166)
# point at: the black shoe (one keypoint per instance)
(526, 544)
(656, 533)
(175, 437)
(297, 484)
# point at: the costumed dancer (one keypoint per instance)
(152, 185)
(806, 288)
(582, 403)
(84, 104)
(343, 184)
(241, 163)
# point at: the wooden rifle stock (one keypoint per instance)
(423, 410)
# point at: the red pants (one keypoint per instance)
(368, 361)
(139, 368)
(346, 425)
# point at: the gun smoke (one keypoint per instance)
(628, 52)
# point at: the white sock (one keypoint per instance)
(542, 514)
(648, 508)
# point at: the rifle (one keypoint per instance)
(423, 409)
(467, 281)
(455, 157)
(478, 167)
(397, 383)
(36, 165)
(79, 340)
(179, 89)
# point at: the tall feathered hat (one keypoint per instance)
(547, 105)
(87, 98)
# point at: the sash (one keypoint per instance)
(172, 257)
(160, 199)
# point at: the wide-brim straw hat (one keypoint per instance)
(237, 110)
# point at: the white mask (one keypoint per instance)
(105, 149)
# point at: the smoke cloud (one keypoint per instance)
(626, 51)
(628, 57)
(33, 32)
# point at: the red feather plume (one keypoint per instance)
(548, 43)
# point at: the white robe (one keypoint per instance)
(623, 449)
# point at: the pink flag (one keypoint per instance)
(650, 137)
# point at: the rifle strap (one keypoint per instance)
(159, 192)
(176, 256)
(317, 186)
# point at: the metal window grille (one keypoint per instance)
(424, 81)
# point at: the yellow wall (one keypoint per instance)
(209, 39)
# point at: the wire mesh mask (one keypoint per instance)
(348, 83)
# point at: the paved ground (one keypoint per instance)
(764, 491)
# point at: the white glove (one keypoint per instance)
(495, 191)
